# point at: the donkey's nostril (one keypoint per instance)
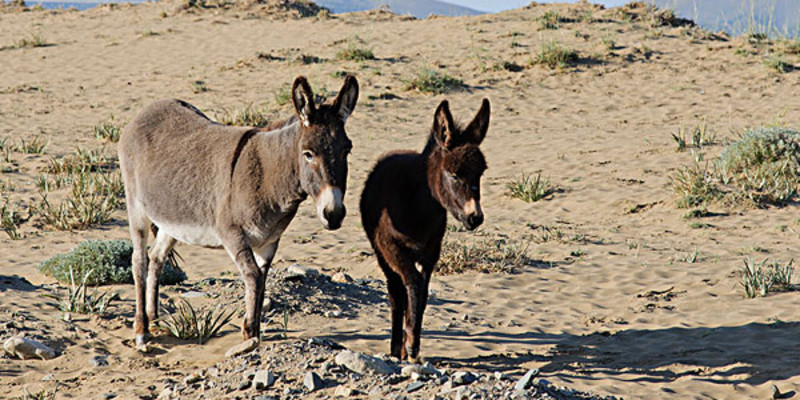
(334, 217)
(474, 220)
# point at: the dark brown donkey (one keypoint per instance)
(203, 183)
(404, 212)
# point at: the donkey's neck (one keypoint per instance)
(433, 174)
(276, 151)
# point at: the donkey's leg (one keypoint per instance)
(237, 247)
(397, 301)
(416, 287)
(158, 257)
(263, 256)
(138, 228)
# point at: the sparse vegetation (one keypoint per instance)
(199, 86)
(188, 323)
(33, 146)
(698, 136)
(247, 116)
(33, 40)
(760, 279)
(91, 201)
(549, 20)
(432, 82)
(10, 219)
(110, 261)
(484, 255)
(554, 55)
(282, 96)
(354, 52)
(776, 63)
(529, 189)
(107, 130)
(79, 301)
(693, 185)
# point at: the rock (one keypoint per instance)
(192, 294)
(463, 378)
(526, 380)
(244, 384)
(317, 341)
(363, 364)
(341, 277)
(343, 391)
(414, 386)
(776, 393)
(499, 376)
(108, 396)
(213, 372)
(165, 394)
(242, 348)
(263, 379)
(312, 381)
(48, 377)
(265, 397)
(25, 348)
(333, 314)
(192, 378)
(98, 361)
(297, 272)
(422, 370)
(541, 382)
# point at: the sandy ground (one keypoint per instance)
(600, 131)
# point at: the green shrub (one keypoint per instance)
(355, 53)
(763, 166)
(110, 261)
(760, 279)
(433, 82)
(529, 189)
(190, 323)
(554, 55)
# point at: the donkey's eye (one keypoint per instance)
(308, 156)
(474, 188)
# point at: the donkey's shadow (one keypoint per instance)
(751, 354)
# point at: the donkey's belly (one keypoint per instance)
(191, 234)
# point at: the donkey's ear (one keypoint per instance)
(346, 100)
(303, 99)
(443, 126)
(476, 130)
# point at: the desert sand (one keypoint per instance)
(612, 307)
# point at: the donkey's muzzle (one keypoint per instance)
(473, 221)
(330, 207)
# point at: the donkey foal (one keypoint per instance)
(404, 213)
(203, 183)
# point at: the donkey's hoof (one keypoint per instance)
(141, 343)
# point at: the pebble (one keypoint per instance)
(265, 397)
(242, 348)
(98, 361)
(526, 380)
(263, 379)
(267, 305)
(463, 378)
(48, 377)
(363, 364)
(414, 386)
(25, 348)
(297, 271)
(344, 391)
(165, 394)
(312, 381)
(341, 277)
(192, 294)
(192, 378)
(244, 384)
(333, 314)
(318, 341)
(108, 396)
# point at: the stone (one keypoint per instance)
(318, 341)
(263, 379)
(165, 394)
(24, 348)
(192, 378)
(192, 294)
(312, 381)
(265, 397)
(463, 378)
(242, 348)
(341, 277)
(499, 376)
(333, 314)
(298, 272)
(422, 370)
(526, 380)
(344, 391)
(268, 304)
(244, 384)
(48, 377)
(98, 361)
(363, 364)
(108, 396)
(414, 386)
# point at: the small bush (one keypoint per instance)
(760, 279)
(355, 53)
(79, 301)
(486, 255)
(33, 146)
(763, 166)
(248, 116)
(82, 161)
(107, 130)
(110, 261)
(693, 185)
(549, 20)
(188, 323)
(777, 64)
(34, 40)
(10, 219)
(433, 82)
(528, 189)
(553, 55)
(199, 86)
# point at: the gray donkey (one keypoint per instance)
(207, 184)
